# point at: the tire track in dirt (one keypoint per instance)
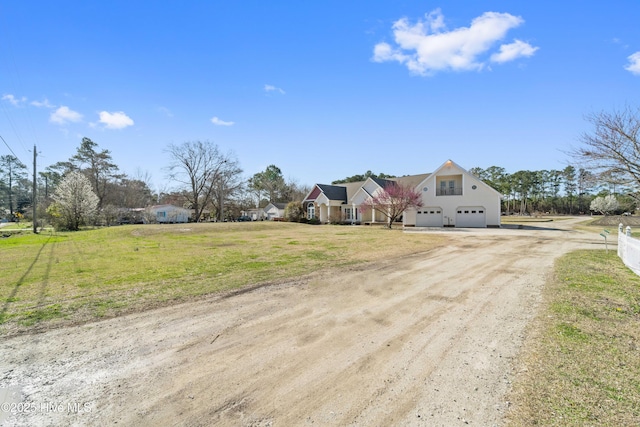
(372, 359)
(424, 340)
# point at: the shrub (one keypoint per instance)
(294, 211)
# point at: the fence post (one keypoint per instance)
(628, 231)
(620, 239)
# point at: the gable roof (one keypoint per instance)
(412, 180)
(346, 191)
(381, 181)
(451, 163)
(334, 192)
(276, 205)
(168, 206)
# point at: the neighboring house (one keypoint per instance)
(255, 214)
(170, 213)
(451, 197)
(275, 211)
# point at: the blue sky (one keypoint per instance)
(323, 89)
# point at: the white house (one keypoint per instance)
(275, 211)
(451, 197)
(170, 213)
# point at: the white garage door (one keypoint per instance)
(429, 217)
(471, 216)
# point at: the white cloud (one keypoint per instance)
(13, 100)
(426, 47)
(509, 52)
(218, 122)
(272, 88)
(116, 120)
(44, 104)
(64, 115)
(634, 63)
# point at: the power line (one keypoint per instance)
(12, 152)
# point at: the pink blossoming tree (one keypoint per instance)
(392, 201)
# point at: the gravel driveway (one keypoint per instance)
(425, 340)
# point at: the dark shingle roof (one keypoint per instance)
(381, 181)
(334, 192)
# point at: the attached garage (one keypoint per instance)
(429, 217)
(471, 216)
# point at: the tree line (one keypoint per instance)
(211, 182)
(607, 172)
(200, 177)
(567, 191)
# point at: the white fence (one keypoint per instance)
(629, 249)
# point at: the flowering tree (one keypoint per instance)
(605, 205)
(392, 201)
(75, 201)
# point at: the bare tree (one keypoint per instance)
(228, 183)
(393, 200)
(294, 191)
(613, 146)
(197, 166)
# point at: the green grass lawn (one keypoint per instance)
(581, 363)
(70, 277)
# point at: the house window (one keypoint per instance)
(347, 213)
(311, 211)
(449, 186)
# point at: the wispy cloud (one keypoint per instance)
(272, 88)
(165, 111)
(115, 120)
(219, 122)
(43, 104)
(64, 115)
(512, 51)
(13, 100)
(426, 47)
(634, 63)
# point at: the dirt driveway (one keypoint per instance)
(427, 340)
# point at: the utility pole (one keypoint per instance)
(35, 222)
